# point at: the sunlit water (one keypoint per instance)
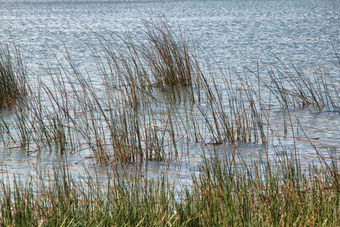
(234, 33)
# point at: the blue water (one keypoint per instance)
(234, 32)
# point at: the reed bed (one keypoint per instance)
(152, 93)
(137, 114)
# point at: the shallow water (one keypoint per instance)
(235, 33)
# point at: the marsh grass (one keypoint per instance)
(152, 93)
(12, 76)
(155, 99)
(224, 193)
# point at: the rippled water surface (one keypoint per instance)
(234, 33)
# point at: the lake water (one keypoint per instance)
(236, 33)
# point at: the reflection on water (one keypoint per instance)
(235, 33)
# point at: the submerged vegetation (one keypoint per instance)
(156, 97)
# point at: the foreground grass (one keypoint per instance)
(223, 194)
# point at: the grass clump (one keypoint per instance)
(168, 56)
(12, 77)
